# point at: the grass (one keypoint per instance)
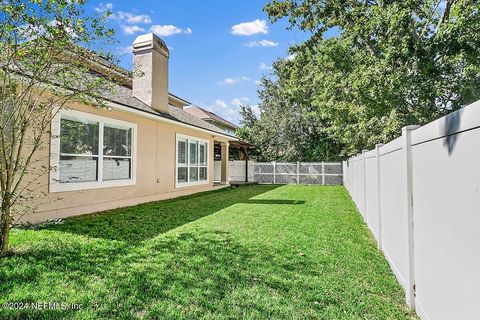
(256, 252)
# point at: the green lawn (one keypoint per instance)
(256, 252)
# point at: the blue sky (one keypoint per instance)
(218, 49)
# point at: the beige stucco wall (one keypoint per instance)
(155, 171)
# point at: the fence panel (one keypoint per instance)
(371, 198)
(323, 173)
(237, 170)
(420, 196)
(263, 173)
(446, 207)
(392, 206)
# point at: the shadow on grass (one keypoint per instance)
(198, 274)
(273, 201)
(145, 221)
(208, 273)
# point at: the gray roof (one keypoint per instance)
(121, 92)
(123, 95)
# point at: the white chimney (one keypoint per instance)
(150, 71)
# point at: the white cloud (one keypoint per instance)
(264, 66)
(104, 7)
(229, 111)
(233, 80)
(125, 50)
(129, 22)
(256, 110)
(221, 108)
(168, 30)
(131, 18)
(230, 81)
(291, 57)
(262, 43)
(221, 104)
(122, 16)
(132, 29)
(250, 28)
(236, 102)
(257, 82)
(29, 32)
(239, 101)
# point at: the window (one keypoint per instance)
(78, 151)
(192, 161)
(93, 152)
(117, 153)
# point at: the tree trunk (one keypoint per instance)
(4, 230)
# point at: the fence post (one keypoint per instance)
(354, 178)
(253, 170)
(357, 185)
(298, 172)
(323, 173)
(379, 195)
(274, 171)
(364, 172)
(408, 176)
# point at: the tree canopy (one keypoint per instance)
(389, 64)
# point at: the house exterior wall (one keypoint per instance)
(155, 171)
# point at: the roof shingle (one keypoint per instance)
(205, 114)
(123, 95)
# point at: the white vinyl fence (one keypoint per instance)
(236, 170)
(420, 196)
(217, 171)
(324, 173)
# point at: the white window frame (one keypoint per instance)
(180, 137)
(56, 185)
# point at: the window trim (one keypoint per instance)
(55, 185)
(178, 184)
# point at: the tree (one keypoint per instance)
(44, 56)
(389, 64)
(289, 128)
(248, 121)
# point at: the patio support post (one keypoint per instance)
(408, 200)
(379, 195)
(227, 159)
(246, 164)
(225, 167)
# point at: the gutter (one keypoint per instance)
(175, 97)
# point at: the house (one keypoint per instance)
(144, 147)
(212, 118)
(238, 150)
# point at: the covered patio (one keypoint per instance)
(231, 163)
